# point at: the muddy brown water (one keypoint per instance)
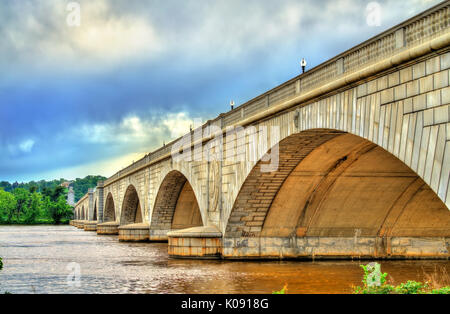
(45, 259)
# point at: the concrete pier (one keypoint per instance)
(108, 228)
(196, 243)
(90, 226)
(134, 233)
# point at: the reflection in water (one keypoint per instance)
(36, 259)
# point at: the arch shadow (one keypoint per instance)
(131, 207)
(335, 185)
(176, 207)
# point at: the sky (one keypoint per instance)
(91, 95)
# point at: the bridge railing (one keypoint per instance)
(425, 26)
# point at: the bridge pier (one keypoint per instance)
(80, 224)
(108, 228)
(195, 243)
(134, 233)
(311, 248)
(90, 226)
(158, 235)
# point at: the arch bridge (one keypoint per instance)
(350, 159)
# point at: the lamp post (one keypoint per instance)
(303, 64)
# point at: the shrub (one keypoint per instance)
(374, 282)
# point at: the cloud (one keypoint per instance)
(136, 73)
(133, 129)
(26, 146)
(23, 147)
(39, 31)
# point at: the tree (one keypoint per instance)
(33, 209)
(58, 210)
(7, 206)
(22, 197)
(6, 186)
(54, 193)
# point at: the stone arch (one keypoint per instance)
(335, 185)
(109, 213)
(175, 207)
(131, 207)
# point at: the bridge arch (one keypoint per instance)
(109, 213)
(131, 207)
(176, 206)
(332, 184)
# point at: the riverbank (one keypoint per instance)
(40, 222)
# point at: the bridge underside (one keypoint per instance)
(336, 195)
(176, 207)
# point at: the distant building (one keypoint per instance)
(66, 184)
(71, 197)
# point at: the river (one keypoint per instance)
(39, 259)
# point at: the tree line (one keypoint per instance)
(80, 186)
(22, 206)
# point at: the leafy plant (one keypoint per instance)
(443, 290)
(282, 291)
(374, 282)
(411, 287)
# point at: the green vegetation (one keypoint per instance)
(80, 186)
(375, 282)
(22, 206)
(282, 291)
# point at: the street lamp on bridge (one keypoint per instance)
(303, 65)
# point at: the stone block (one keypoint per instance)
(362, 90)
(445, 61)
(434, 99)
(372, 87)
(393, 79)
(412, 88)
(382, 83)
(312, 241)
(400, 92)
(408, 105)
(428, 117)
(433, 65)
(418, 70)
(300, 242)
(406, 75)
(440, 79)
(228, 242)
(426, 84)
(387, 96)
(445, 96)
(420, 102)
(441, 114)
